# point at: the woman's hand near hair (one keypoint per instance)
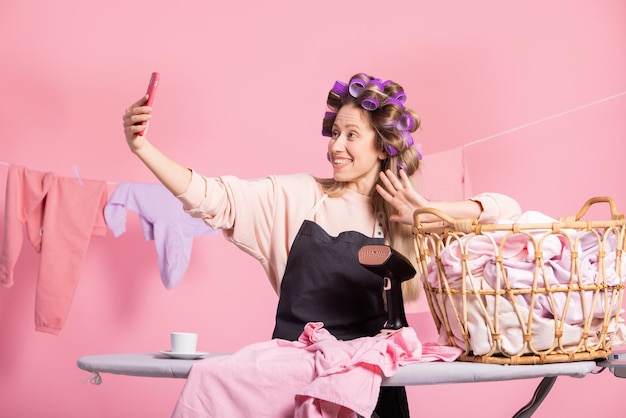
(174, 176)
(400, 193)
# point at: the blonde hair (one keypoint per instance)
(384, 119)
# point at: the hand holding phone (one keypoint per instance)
(151, 92)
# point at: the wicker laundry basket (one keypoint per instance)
(535, 292)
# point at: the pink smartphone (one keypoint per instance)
(151, 92)
(152, 88)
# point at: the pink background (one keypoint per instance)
(242, 92)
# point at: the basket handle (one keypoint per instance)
(465, 225)
(615, 215)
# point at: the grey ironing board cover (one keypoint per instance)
(432, 373)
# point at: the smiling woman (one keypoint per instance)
(307, 232)
(241, 81)
(353, 150)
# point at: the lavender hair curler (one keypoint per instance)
(391, 150)
(418, 149)
(326, 128)
(406, 122)
(400, 96)
(370, 104)
(340, 88)
(408, 138)
(356, 87)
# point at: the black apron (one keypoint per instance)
(324, 282)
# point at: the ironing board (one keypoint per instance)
(432, 373)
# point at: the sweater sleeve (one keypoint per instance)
(497, 206)
(261, 216)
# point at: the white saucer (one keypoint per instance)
(184, 356)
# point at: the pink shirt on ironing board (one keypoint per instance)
(316, 376)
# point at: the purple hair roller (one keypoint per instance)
(418, 149)
(391, 150)
(406, 122)
(408, 138)
(356, 87)
(340, 88)
(400, 96)
(370, 104)
(327, 130)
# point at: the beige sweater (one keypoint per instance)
(262, 217)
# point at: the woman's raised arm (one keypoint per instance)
(174, 176)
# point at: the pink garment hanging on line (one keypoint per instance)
(60, 216)
(316, 376)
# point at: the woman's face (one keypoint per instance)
(352, 149)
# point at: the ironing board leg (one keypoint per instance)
(540, 394)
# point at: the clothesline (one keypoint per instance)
(478, 141)
(538, 121)
(74, 170)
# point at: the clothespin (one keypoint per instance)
(77, 174)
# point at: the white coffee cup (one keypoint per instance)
(184, 342)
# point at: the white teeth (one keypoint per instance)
(341, 161)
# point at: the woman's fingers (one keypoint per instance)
(385, 181)
(393, 179)
(391, 183)
(136, 119)
(384, 193)
(136, 113)
(134, 129)
(406, 181)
